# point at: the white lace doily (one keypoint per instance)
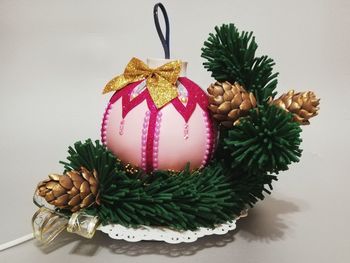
(163, 234)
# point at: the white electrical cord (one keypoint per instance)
(16, 242)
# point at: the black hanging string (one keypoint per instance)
(163, 40)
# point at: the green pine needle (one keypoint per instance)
(267, 140)
(93, 156)
(230, 56)
(185, 201)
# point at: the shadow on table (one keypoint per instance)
(263, 224)
(266, 222)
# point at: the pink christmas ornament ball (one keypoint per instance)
(167, 138)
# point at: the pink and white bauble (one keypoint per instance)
(168, 138)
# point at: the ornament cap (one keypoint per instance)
(157, 62)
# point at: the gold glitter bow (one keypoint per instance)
(160, 81)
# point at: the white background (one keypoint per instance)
(56, 57)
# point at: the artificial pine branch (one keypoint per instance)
(267, 140)
(93, 157)
(231, 57)
(184, 201)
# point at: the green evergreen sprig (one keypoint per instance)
(184, 201)
(93, 156)
(267, 140)
(231, 57)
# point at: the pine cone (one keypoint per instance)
(74, 190)
(229, 102)
(303, 105)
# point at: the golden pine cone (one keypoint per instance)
(228, 102)
(303, 105)
(74, 190)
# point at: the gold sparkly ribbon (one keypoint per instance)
(160, 81)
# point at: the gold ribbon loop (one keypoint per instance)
(47, 225)
(83, 224)
(160, 81)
